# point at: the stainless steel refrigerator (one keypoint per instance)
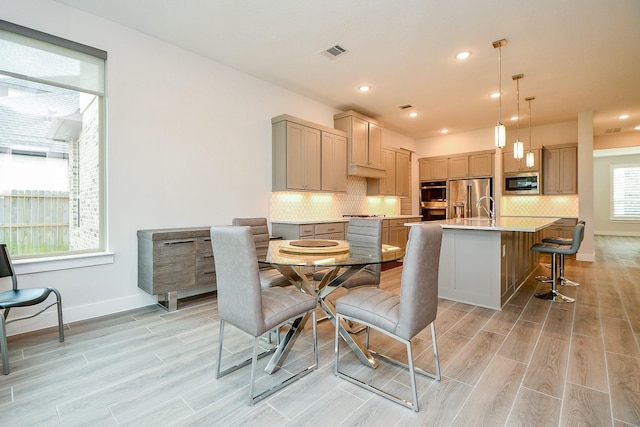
(465, 193)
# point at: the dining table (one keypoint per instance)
(298, 260)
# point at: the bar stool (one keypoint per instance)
(564, 241)
(555, 249)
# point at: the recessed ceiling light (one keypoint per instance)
(413, 114)
(623, 117)
(637, 128)
(495, 95)
(444, 131)
(513, 118)
(463, 55)
(364, 88)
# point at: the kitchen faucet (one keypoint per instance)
(491, 213)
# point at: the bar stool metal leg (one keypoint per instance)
(563, 280)
(553, 294)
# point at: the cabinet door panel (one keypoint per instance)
(375, 146)
(403, 165)
(166, 255)
(359, 143)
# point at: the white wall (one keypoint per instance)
(602, 195)
(189, 144)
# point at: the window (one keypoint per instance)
(625, 199)
(51, 144)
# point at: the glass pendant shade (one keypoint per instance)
(501, 135)
(530, 159)
(518, 150)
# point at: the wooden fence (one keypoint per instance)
(33, 221)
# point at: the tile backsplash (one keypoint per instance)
(305, 206)
(558, 206)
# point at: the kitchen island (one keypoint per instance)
(484, 262)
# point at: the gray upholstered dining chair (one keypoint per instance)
(269, 276)
(17, 297)
(361, 232)
(402, 316)
(243, 303)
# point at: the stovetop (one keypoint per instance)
(363, 216)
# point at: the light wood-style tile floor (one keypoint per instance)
(533, 363)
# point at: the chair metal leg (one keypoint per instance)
(553, 295)
(410, 366)
(3, 346)
(563, 280)
(60, 322)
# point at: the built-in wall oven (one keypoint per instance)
(433, 200)
(520, 183)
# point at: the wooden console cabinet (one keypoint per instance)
(172, 260)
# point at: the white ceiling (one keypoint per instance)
(576, 55)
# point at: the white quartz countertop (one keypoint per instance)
(324, 221)
(503, 223)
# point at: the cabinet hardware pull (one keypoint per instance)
(178, 242)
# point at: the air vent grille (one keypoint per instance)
(405, 106)
(334, 51)
(613, 130)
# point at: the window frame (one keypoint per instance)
(612, 216)
(72, 258)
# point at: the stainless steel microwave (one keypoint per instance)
(520, 183)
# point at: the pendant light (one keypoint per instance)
(500, 132)
(530, 157)
(518, 146)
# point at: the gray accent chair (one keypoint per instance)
(245, 304)
(402, 316)
(21, 298)
(563, 241)
(554, 249)
(269, 276)
(361, 232)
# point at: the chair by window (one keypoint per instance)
(251, 308)
(17, 297)
(269, 276)
(402, 316)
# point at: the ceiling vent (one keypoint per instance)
(334, 51)
(612, 130)
(405, 106)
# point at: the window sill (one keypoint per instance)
(40, 265)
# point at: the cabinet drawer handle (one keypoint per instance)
(180, 242)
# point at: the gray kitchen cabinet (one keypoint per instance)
(395, 233)
(296, 156)
(364, 144)
(396, 181)
(481, 165)
(472, 165)
(459, 167)
(334, 162)
(172, 260)
(321, 230)
(509, 164)
(433, 169)
(560, 169)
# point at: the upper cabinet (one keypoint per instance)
(364, 154)
(397, 163)
(472, 165)
(433, 169)
(509, 164)
(334, 162)
(298, 155)
(560, 169)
